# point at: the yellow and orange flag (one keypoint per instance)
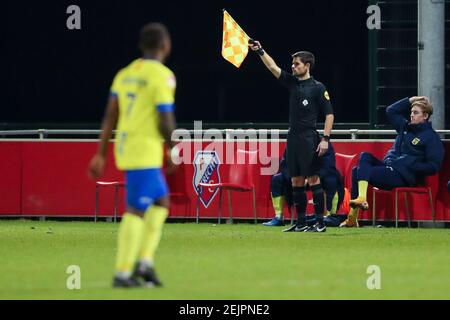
(235, 41)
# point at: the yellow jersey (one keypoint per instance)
(144, 88)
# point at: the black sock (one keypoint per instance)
(318, 199)
(300, 202)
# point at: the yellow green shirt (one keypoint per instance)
(144, 88)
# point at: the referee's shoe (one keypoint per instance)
(296, 228)
(318, 227)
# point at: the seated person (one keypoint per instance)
(280, 192)
(281, 187)
(417, 152)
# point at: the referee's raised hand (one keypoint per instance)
(254, 45)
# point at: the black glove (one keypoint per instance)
(260, 51)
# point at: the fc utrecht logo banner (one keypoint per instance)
(206, 170)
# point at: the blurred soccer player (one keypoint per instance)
(141, 104)
(417, 152)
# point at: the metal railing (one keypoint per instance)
(228, 134)
(44, 133)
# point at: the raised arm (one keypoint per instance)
(268, 61)
(395, 113)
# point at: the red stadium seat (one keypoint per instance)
(176, 180)
(177, 186)
(345, 164)
(116, 185)
(430, 187)
(240, 179)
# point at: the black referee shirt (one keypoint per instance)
(306, 99)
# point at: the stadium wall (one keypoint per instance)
(48, 178)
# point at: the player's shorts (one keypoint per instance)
(302, 158)
(144, 187)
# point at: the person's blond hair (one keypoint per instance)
(425, 106)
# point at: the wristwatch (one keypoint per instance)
(326, 138)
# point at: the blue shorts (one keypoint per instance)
(144, 187)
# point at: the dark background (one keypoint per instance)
(50, 74)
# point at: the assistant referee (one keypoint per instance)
(307, 98)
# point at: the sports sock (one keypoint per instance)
(319, 200)
(129, 241)
(353, 214)
(362, 189)
(300, 202)
(278, 203)
(154, 220)
(334, 204)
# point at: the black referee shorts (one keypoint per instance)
(302, 158)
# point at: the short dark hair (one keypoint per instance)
(152, 36)
(305, 57)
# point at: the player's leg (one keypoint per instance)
(329, 185)
(300, 203)
(310, 166)
(352, 217)
(334, 204)
(154, 220)
(332, 219)
(130, 230)
(278, 200)
(319, 203)
(298, 183)
(382, 177)
(354, 190)
(367, 164)
(386, 178)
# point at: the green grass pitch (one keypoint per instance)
(240, 261)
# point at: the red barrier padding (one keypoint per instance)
(50, 179)
(11, 178)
